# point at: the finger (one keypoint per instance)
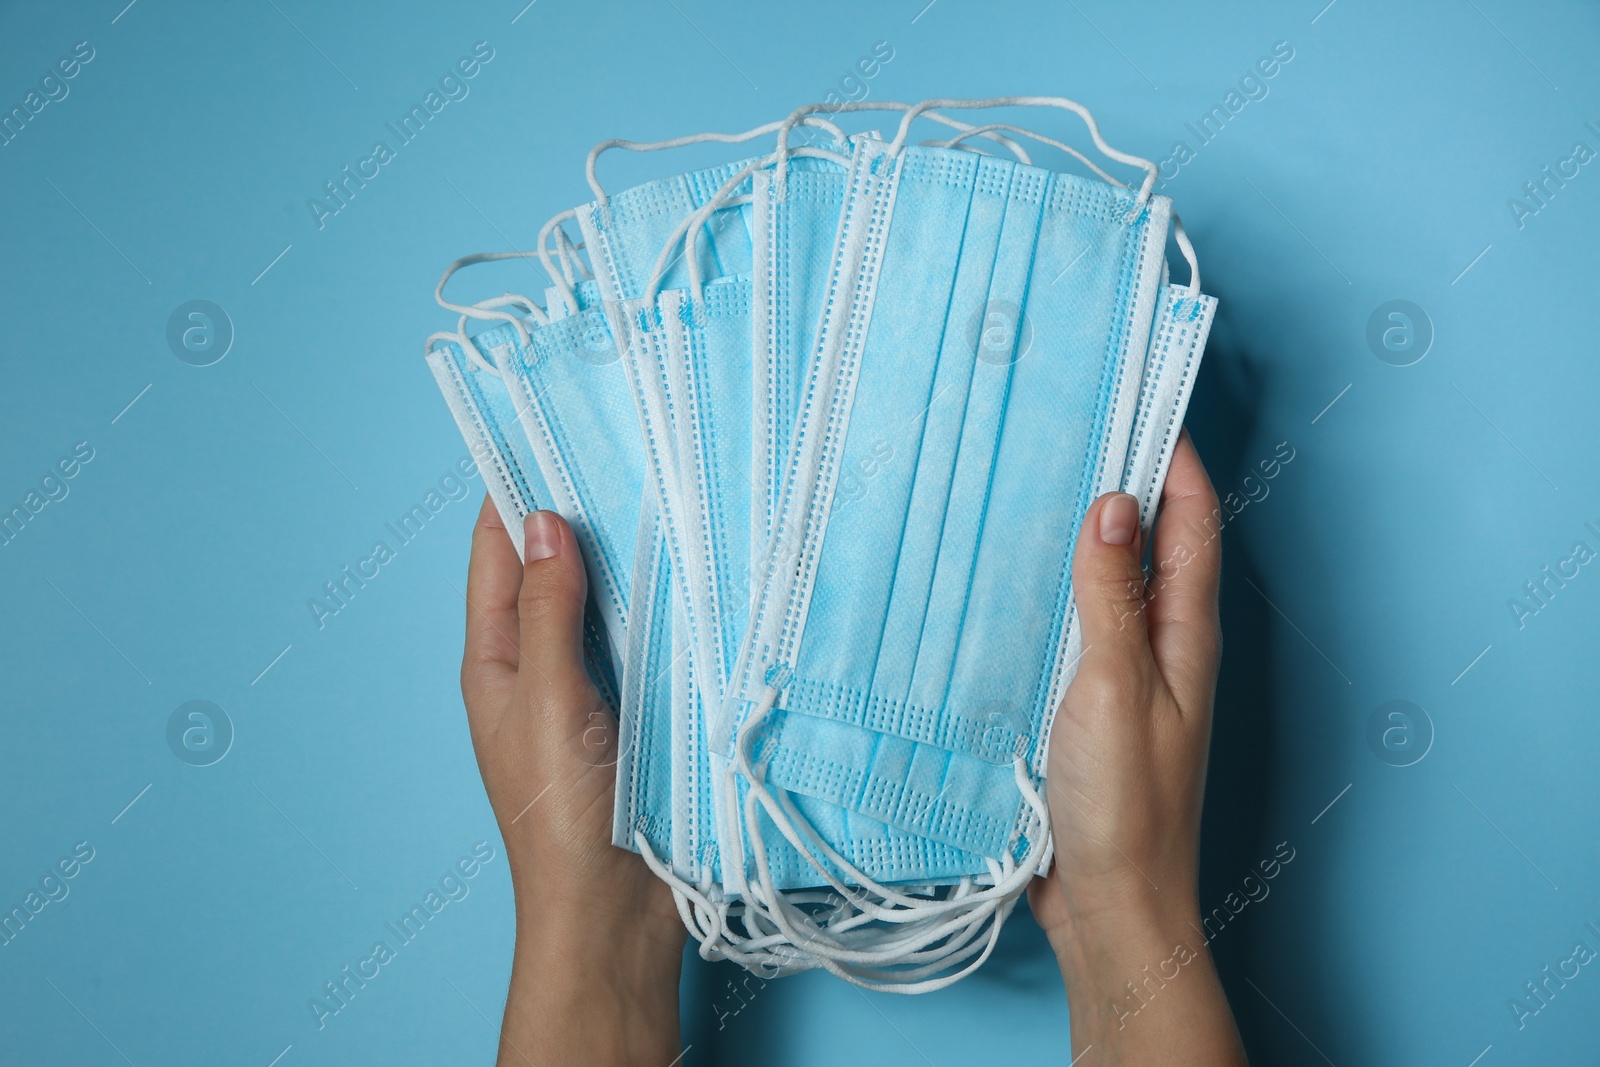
(494, 577)
(550, 607)
(1187, 555)
(1108, 585)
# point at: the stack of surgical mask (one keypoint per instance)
(826, 421)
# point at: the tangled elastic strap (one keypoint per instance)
(868, 934)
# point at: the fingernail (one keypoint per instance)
(541, 536)
(1119, 520)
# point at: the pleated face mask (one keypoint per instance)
(556, 376)
(486, 417)
(690, 359)
(794, 228)
(907, 665)
(704, 402)
(579, 408)
(484, 414)
(1183, 321)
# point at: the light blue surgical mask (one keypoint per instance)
(646, 720)
(575, 404)
(910, 688)
(565, 382)
(1183, 321)
(585, 432)
(689, 357)
(907, 668)
(792, 245)
(488, 423)
(691, 362)
(577, 411)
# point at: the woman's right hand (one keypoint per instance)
(1126, 779)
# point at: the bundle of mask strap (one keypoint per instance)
(825, 421)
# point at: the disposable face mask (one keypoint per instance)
(577, 412)
(566, 386)
(624, 234)
(643, 795)
(929, 670)
(706, 392)
(794, 227)
(576, 405)
(646, 721)
(689, 359)
(792, 244)
(936, 728)
(485, 416)
(1182, 324)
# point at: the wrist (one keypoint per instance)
(1104, 945)
(590, 941)
(591, 990)
(585, 911)
(1141, 984)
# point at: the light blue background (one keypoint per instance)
(1378, 167)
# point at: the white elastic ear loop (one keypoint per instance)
(1150, 169)
(435, 338)
(665, 259)
(564, 253)
(489, 313)
(1179, 235)
(507, 300)
(570, 260)
(989, 132)
(754, 919)
(892, 965)
(1009, 881)
(693, 226)
(908, 944)
(805, 114)
(933, 937)
(706, 920)
(1042, 139)
(782, 812)
(562, 286)
(944, 942)
(600, 196)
